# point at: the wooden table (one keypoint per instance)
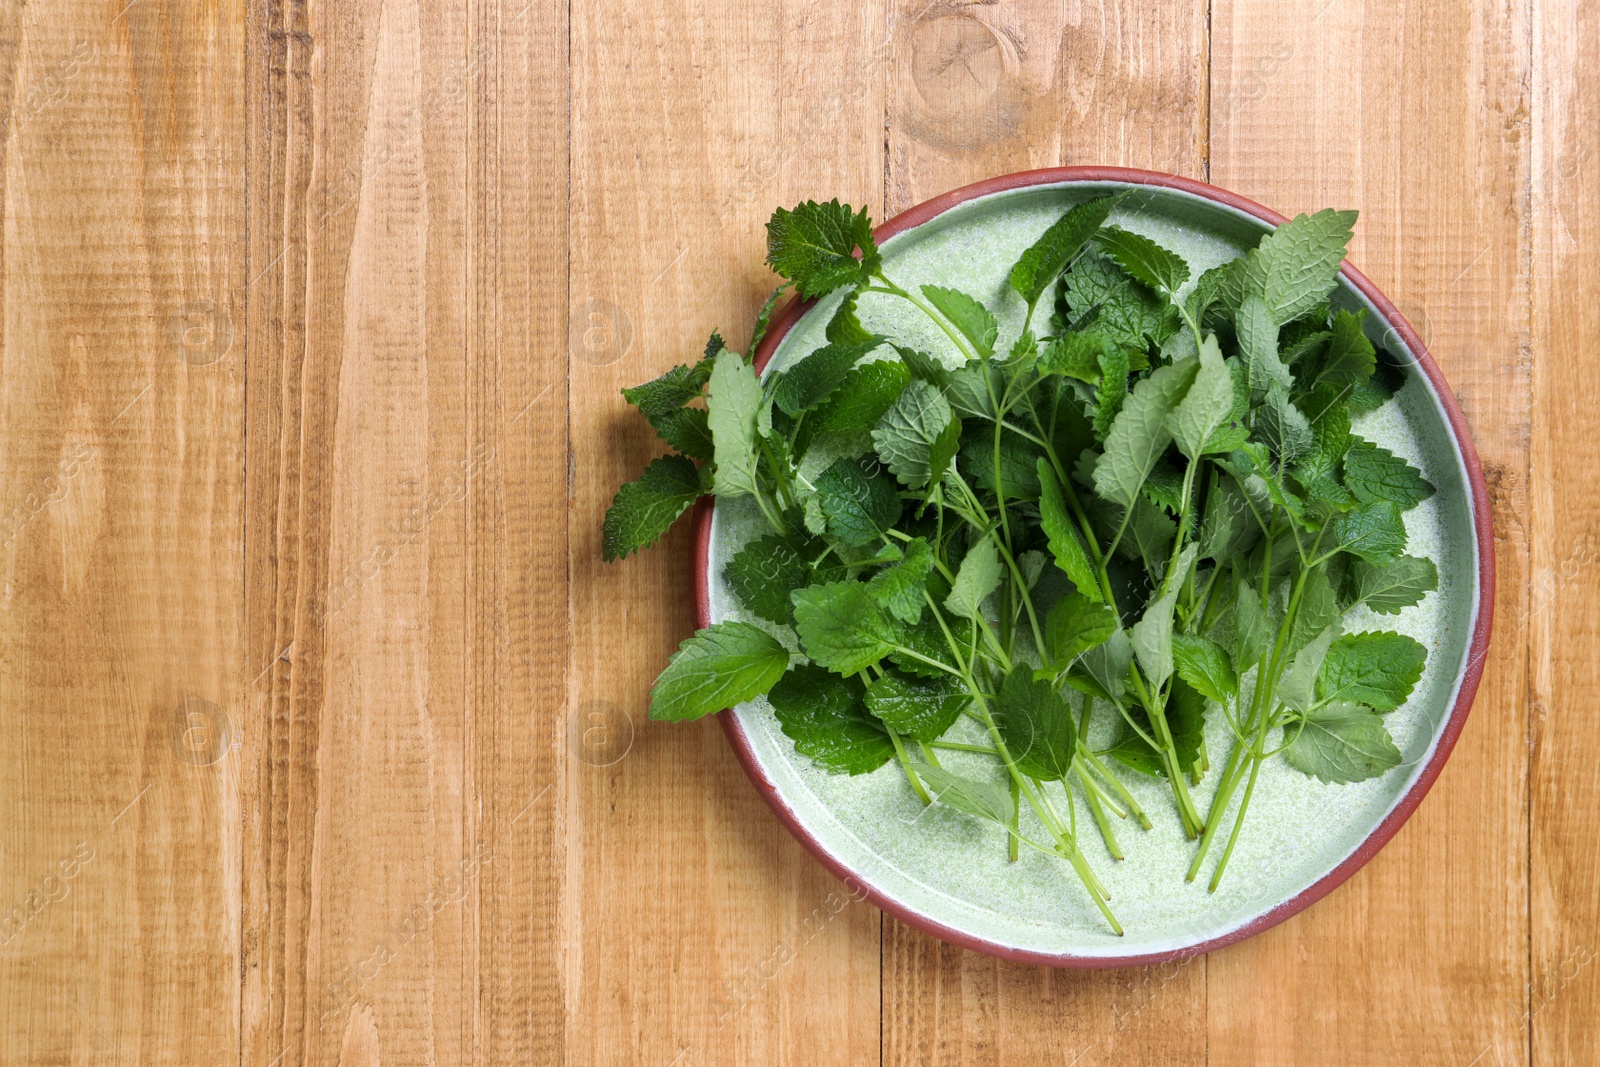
(324, 731)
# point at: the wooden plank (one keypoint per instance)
(1416, 114)
(518, 647)
(120, 426)
(979, 90)
(405, 452)
(945, 1005)
(1563, 996)
(698, 931)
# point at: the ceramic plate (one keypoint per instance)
(947, 873)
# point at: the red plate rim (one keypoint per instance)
(1483, 528)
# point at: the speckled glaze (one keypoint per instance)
(947, 873)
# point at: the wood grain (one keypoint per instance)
(325, 724)
(121, 187)
(406, 448)
(978, 90)
(700, 931)
(982, 89)
(1416, 114)
(1563, 992)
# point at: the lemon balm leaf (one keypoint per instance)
(643, 510)
(1075, 625)
(1378, 669)
(906, 435)
(764, 572)
(1139, 433)
(1373, 473)
(978, 577)
(971, 318)
(1294, 268)
(922, 709)
(863, 396)
(814, 246)
(717, 668)
(860, 505)
(1047, 257)
(1065, 545)
(1205, 665)
(812, 380)
(841, 627)
(1395, 586)
(671, 391)
(1206, 406)
(734, 407)
(1159, 268)
(1375, 532)
(899, 588)
(827, 719)
(1341, 742)
(1037, 726)
(982, 799)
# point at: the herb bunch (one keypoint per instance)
(1148, 506)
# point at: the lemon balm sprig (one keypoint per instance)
(1151, 501)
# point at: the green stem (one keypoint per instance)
(987, 528)
(1206, 598)
(927, 309)
(1027, 600)
(1219, 808)
(1238, 823)
(1049, 448)
(773, 518)
(1138, 730)
(778, 474)
(1188, 319)
(905, 764)
(1183, 525)
(950, 640)
(1005, 544)
(1116, 538)
(1066, 845)
(1047, 811)
(1106, 834)
(1095, 787)
(957, 746)
(1116, 786)
(1085, 527)
(1192, 823)
(920, 658)
(1020, 432)
(993, 640)
(1263, 700)
(1016, 818)
(1087, 759)
(1085, 875)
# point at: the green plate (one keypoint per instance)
(947, 873)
